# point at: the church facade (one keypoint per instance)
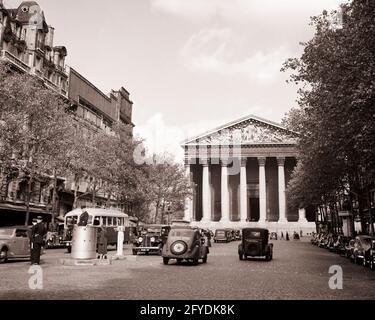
(239, 173)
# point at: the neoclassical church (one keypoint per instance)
(239, 173)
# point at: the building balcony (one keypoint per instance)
(15, 61)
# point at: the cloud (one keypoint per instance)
(160, 138)
(224, 52)
(235, 10)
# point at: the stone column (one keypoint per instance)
(262, 190)
(206, 192)
(188, 200)
(224, 192)
(282, 202)
(243, 191)
(302, 215)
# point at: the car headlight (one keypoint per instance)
(140, 239)
(50, 239)
(152, 239)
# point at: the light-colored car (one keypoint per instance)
(14, 243)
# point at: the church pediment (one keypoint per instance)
(247, 131)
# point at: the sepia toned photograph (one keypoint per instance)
(187, 151)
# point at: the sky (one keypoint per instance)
(189, 65)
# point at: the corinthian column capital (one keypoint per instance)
(262, 161)
(281, 161)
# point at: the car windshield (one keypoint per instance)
(181, 233)
(153, 230)
(366, 241)
(254, 234)
(6, 232)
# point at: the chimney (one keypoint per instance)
(50, 35)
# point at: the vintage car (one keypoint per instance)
(255, 244)
(222, 235)
(14, 243)
(369, 259)
(349, 249)
(323, 241)
(55, 238)
(340, 245)
(151, 239)
(273, 236)
(332, 239)
(185, 243)
(362, 243)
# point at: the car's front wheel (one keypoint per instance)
(134, 252)
(204, 259)
(165, 260)
(3, 256)
(240, 255)
(195, 262)
(69, 249)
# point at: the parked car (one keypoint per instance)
(231, 234)
(340, 245)
(323, 241)
(332, 238)
(369, 259)
(349, 249)
(54, 240)
(238, 234)
(151, 239)
(314, 238)
(362, 243)
(273, 236)
(185, 243)
(255, 244)
(14, 243)
(222, 235)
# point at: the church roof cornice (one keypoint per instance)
(194, 140)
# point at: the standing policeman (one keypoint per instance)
(38, 232)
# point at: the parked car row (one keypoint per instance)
(360, 250)
(227, 235)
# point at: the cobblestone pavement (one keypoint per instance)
(298, 271)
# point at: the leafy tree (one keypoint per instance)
(35, 127)
(168, 187)
(336, 113)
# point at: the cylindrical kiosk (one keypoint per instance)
(84, 242)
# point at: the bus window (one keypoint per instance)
(90, 219)
(109, 221)
(96, 221)
(121, 221)
(71, 220)
(104, 221)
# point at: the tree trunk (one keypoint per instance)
(162, 213)
(156, 211)
(93, 195)
(371, 231)
(28, 197)
(54, 194)
(76, 181)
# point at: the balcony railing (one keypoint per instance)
(6, 55)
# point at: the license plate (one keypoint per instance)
(144, 250)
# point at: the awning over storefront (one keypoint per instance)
(14, 207)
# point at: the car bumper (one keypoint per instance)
(146, 249)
